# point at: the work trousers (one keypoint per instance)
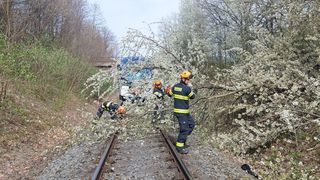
(158, 112)
(186, 126)
(100, 111)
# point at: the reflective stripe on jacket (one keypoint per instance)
(181, 94)
(110, 106)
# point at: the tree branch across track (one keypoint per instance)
(210, 98)
(197, 101)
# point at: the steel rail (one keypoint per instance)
(104, 156)
(181, 166)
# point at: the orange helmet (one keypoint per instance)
(121, 110)
(157, 83)
(186, 74)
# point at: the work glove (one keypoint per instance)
(167, 89)
(195, 90)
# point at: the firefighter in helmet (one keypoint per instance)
(159, 96)
(113, 108)
(181, 93)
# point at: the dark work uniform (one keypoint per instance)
(158, 92)
(107, 106)
(181, 94)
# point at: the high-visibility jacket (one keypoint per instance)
(158, 92)
(107, 106)
(181, 94)
(110, 106)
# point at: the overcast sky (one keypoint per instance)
(123, 14)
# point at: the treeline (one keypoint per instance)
(47, 44)
(225, 30)
(72, 24)
(265, 20)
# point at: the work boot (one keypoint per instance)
(182, 150)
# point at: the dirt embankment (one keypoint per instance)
(32, 131)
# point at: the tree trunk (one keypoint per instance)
(8, 19)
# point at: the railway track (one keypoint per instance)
(153, 157)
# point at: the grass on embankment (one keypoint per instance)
(41, 81)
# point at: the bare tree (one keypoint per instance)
(68, 23)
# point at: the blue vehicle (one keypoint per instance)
(145, 72)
